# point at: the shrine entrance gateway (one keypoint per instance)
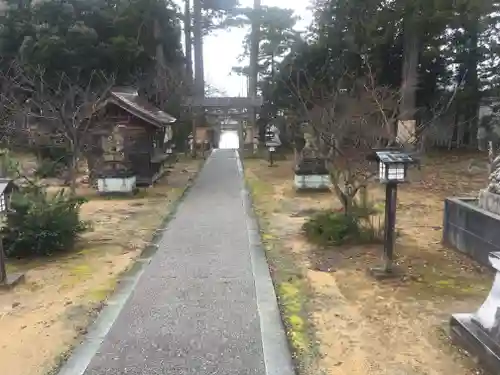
(229, 113)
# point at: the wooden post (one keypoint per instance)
(271, 159)
(391, 191)
(14, 279)
(3, 270)
(3, 164)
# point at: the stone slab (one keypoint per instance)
(13, 279)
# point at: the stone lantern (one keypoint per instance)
(272, 141)
(479, 332)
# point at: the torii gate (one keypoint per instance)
(226, 104)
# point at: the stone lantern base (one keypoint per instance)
(469, 335)
(121, 182)
(479, 332)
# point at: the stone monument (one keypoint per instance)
(479, 332)
(311, 172)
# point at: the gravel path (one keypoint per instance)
(195, 309)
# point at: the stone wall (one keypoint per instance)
(471, 229)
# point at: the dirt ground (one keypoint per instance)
(43, 318)
(367, 327)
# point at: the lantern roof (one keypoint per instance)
(391, 157)
(5, 184)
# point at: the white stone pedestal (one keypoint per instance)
(116, 185)
(312, 182)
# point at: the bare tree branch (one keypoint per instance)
(63, 109)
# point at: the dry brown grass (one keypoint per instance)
(366, 327)
(44, 317)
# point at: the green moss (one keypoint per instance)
(296, 322)
(101, 293)
(258, 188)
(291, 287)
(81, 270)
(431, 284)
(379, 207)
(11, 268)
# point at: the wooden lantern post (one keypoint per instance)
(392, 171)
(6, 281)
(3, 270)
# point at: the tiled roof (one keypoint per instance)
(129, 99)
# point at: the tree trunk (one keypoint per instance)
(254, 63)
(73, 169)
(199, 74)
(189, 43)
(161, 79)
(471, 79)
(409, 79)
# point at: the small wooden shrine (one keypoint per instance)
(131, 142)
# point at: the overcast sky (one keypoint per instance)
(221, 49)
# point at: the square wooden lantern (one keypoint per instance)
(393, 166)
